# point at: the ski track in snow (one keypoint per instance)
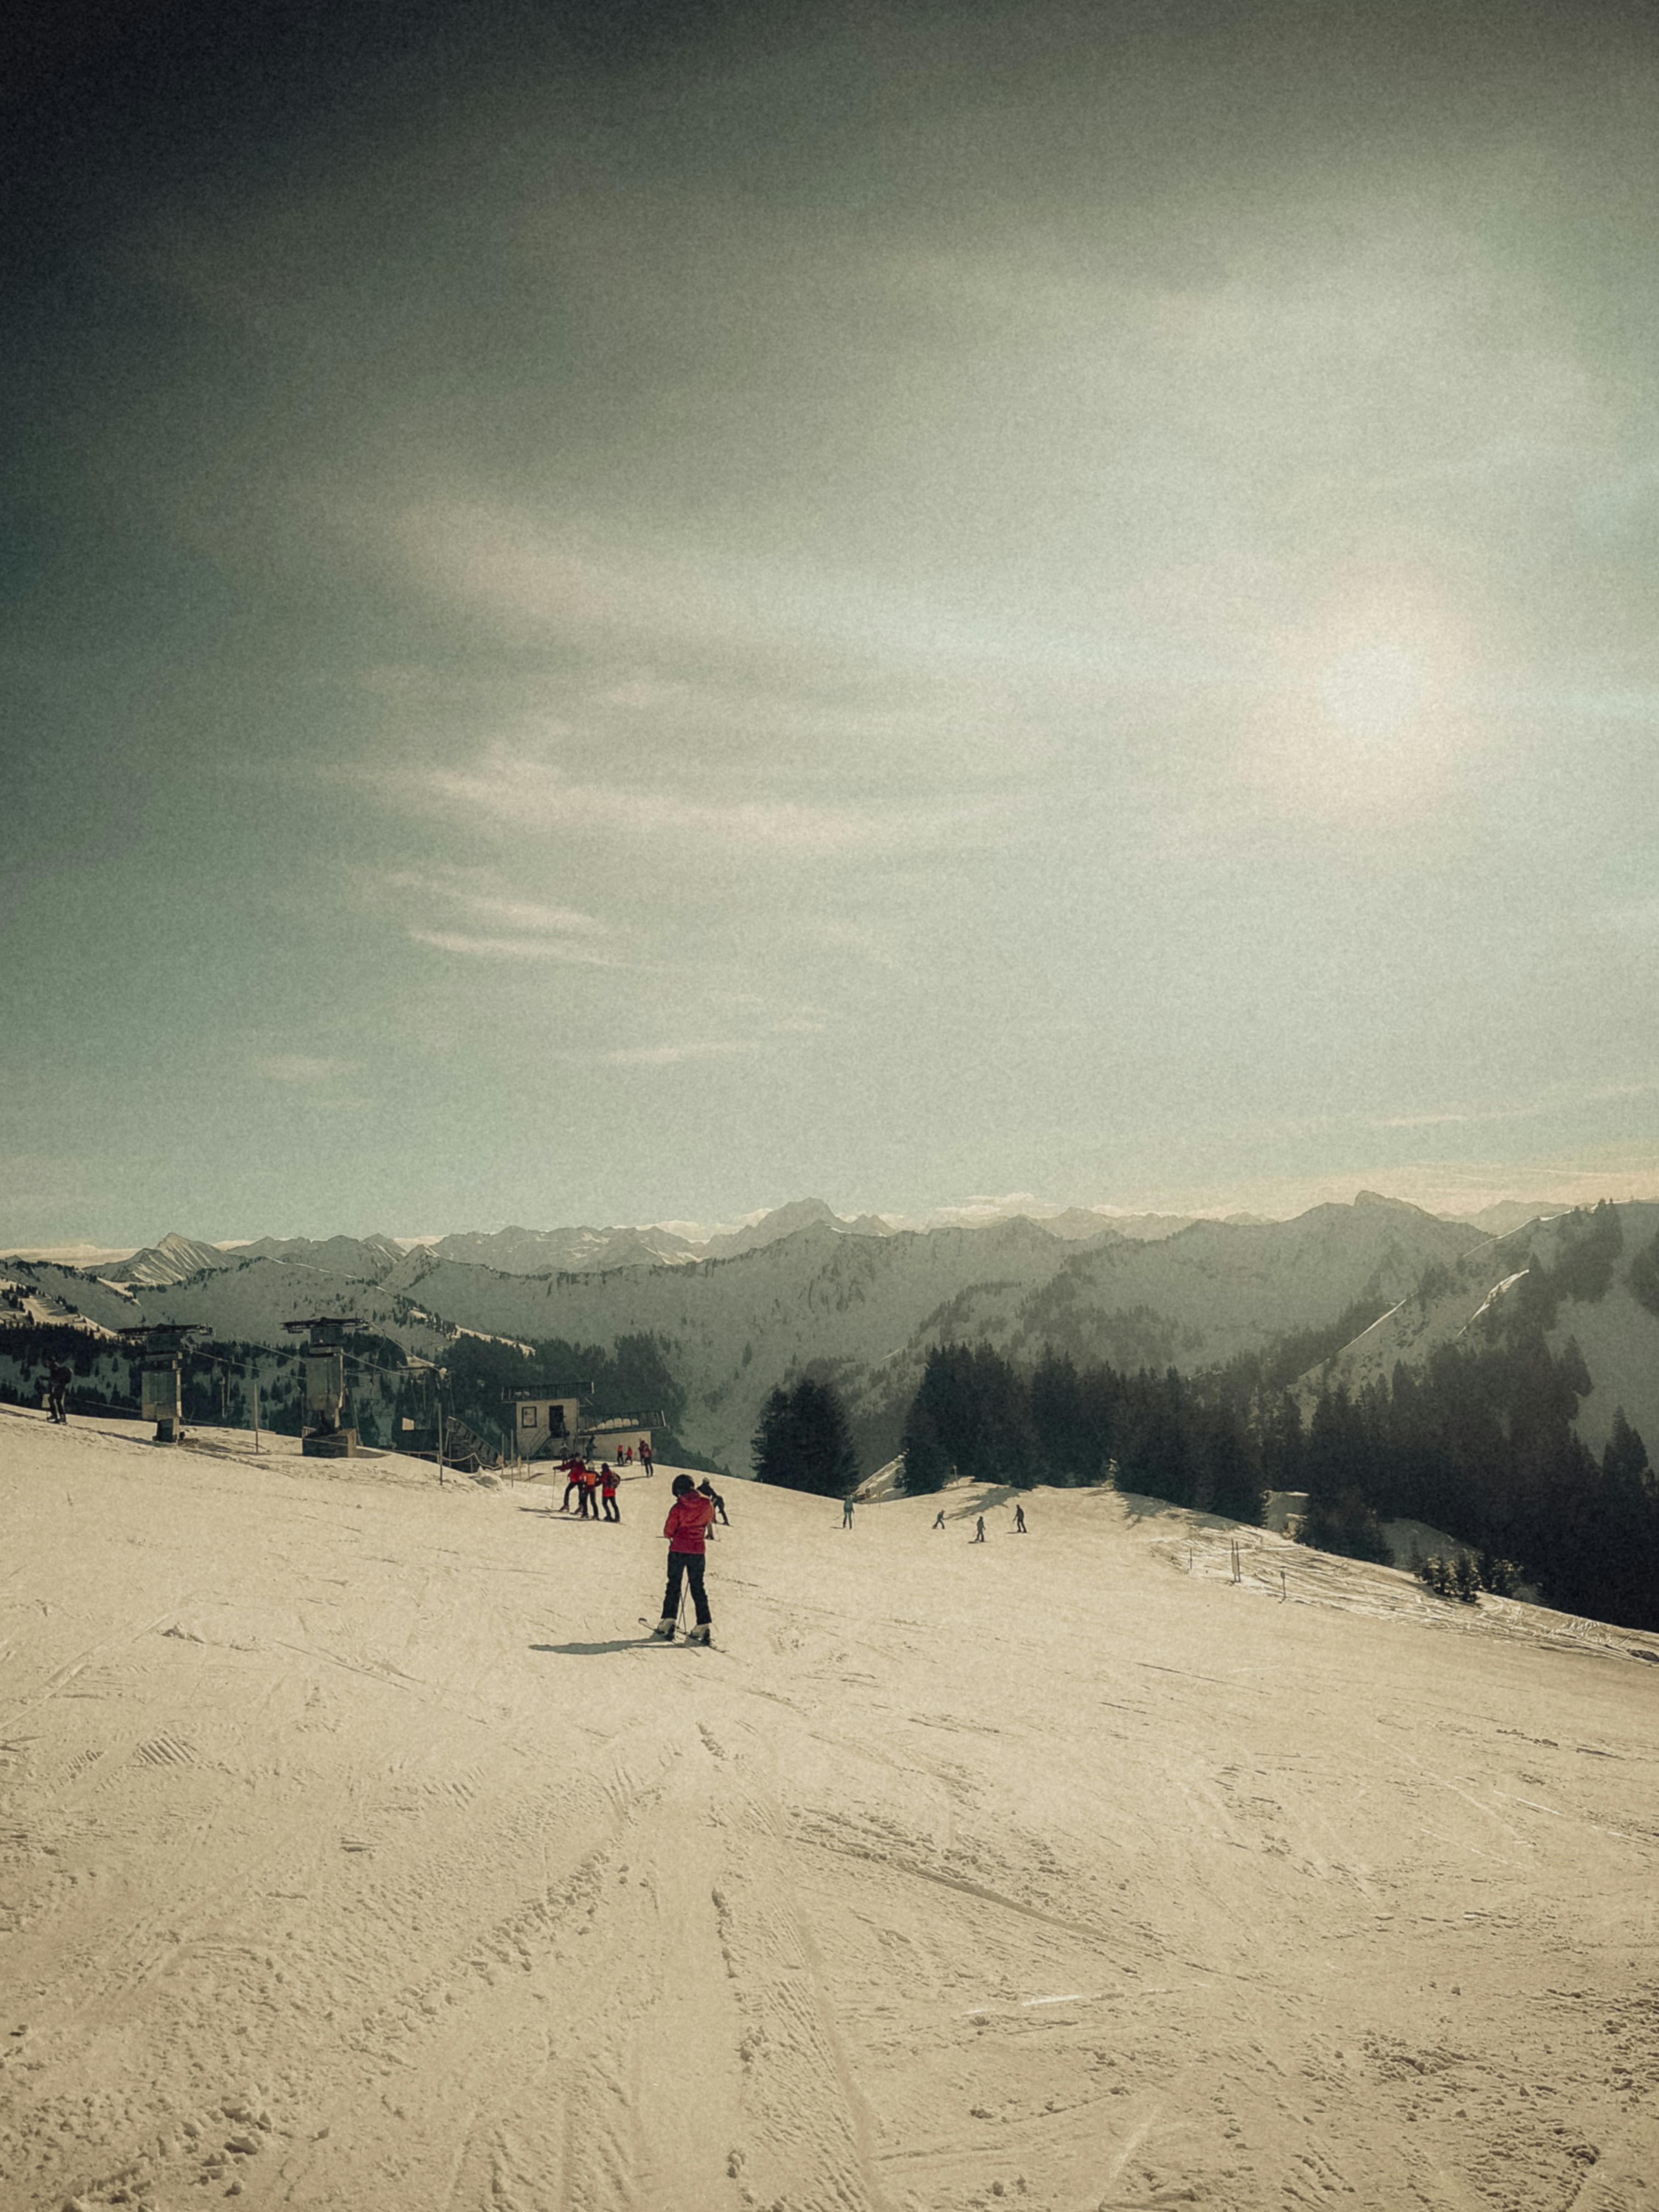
(355, 1853)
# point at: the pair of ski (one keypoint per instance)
(703, 1643)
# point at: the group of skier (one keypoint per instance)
(978, 1536)
(590, 1487)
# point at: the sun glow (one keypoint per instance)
(1375, 692)
(1363, 715)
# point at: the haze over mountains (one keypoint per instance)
(861, 1302)
(581, 1248)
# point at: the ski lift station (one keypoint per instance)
(539, 1421)
(328, 1437)
(162, 1346)
(542, 1424)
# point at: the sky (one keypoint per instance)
(625, 612)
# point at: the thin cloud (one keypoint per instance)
(670, 1055)
(299, 1067)
(1455, 1116)
(510, 948)
(489, 902)
(1565, 1101)
(536, 798)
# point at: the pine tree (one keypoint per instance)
(803, 1442)
(927, 1463)
(771, 1453)
(972, 1414)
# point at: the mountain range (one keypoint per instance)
(861, 1302)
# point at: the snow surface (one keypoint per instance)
(355, 1855)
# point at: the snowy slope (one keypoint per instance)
(1511, 1213)
(367, 1257)
(784, 1221)
(357, 1855)
(252, 1300)
(68, 1289)
(584, 1250)
(547, 1251)
(174, 1260)
(1618, 1336)
(1217, 1289)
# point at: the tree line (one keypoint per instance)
(1479, 1441)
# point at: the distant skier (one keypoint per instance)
(689, 1518)
(58, 1383)
(608, 1489)
(705, 1489)
(1019, 1520)
(646, 1459)
(846, 1513)
(939, 1518)
(979, 1530)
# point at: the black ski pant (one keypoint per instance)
(611, 1512)
(570, 1486)
(689, 1564)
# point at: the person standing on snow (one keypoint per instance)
(572, 1482)
(939, 1518)
(689, 1518)
(846, 1513)
(58, 1383)
(979, 1530)
(590, 1493)
(1019, 1520)
(705, 1489)
(608, 1491)
(646, 1459)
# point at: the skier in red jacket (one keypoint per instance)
(689, 1520)
(572, 1486)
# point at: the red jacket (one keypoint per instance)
(688, 1517)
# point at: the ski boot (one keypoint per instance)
(699, 1634)
(664, 1629)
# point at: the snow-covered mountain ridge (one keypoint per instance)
(863, 1308)
(1610, 1310)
